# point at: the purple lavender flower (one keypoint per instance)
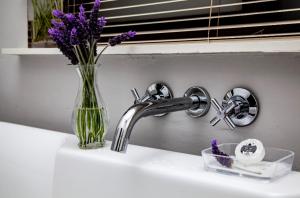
(57, 24)
(93, 23)
(98, 28)
(54, 33)
(101, 22)
(58, 14)
(97, 5)
(122, 37)
(77, 30)
(83, 23)
(224, 161)
(81, 15)
(74, 37)
(70, 17)
(61, 39)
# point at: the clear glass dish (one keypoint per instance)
(276, 163)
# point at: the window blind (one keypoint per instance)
(196, 20)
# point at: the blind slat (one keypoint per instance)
(189, 20)
(291, 22)
(295, 34)
(187, 9)
(90, 3)
(205, 18)
(142, 5)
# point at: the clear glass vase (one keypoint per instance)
(89, 119)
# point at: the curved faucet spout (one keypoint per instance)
(148, 108)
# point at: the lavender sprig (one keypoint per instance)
(81, 15)
(224, 161)
(93, 23)
(62, 41)
(77, 36)
(122, 37)
(74, 37)
(117, 40)
(57, 24)
(58, 14)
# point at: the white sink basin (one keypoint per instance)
(41, 163)
(27, 159)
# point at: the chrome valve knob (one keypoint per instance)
(136, 95)
(222, 113)
(239, 108)
(155, 91)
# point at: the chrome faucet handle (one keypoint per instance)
(155, 91)
(222, 113)
(239, 108)
(135, 95)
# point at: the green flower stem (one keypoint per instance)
(89, 115)
(90, 122)
(97, 58)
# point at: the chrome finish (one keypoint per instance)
(155, 104)
(222, 114)
(135, 95)
(204, 101)
(239, 108)
(155, 91)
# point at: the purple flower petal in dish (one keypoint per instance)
(224, 161)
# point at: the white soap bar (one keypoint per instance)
(250, 151)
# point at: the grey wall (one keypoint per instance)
(40, 91)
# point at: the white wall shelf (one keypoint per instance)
(267, 46)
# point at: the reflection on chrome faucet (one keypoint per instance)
(158, 101)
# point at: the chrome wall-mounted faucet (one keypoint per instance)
(158, 101)
(239, 108)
